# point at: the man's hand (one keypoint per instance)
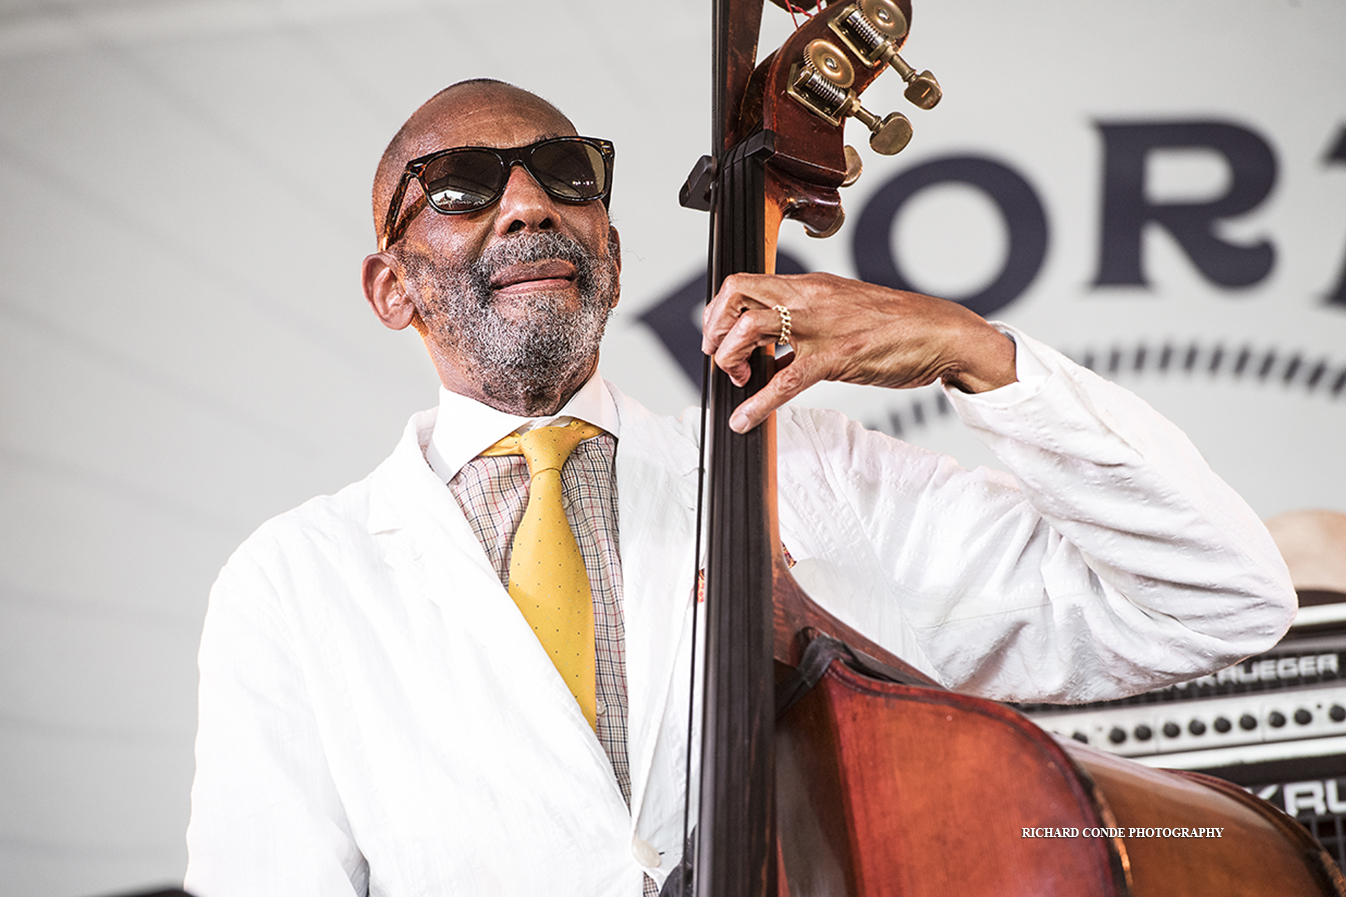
(849, 331)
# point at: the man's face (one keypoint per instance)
(514, 297)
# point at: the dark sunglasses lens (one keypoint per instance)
(461, 181)
(570, 170)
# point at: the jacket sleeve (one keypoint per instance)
(266, 818)
(1111, 561)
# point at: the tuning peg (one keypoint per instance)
(830, 229)
(922, 90)
(854, 166)
(887, 135)
(873, 29)
(822, 84)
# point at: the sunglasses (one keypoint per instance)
(468, 178)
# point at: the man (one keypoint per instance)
(382, 713)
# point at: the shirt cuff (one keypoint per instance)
(1031, 371)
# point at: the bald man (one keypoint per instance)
(378, 714)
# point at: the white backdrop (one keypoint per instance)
(184, 350)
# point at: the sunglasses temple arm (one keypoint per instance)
(386, 235)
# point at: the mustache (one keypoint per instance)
(530, 247)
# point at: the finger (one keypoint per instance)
(738, 293)
(716, 322)
(754, 329)
(718, 316)
(783, 386)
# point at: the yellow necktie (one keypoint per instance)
(547, 579)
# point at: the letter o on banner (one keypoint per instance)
(1018, 203)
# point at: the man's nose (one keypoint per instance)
(524, 205)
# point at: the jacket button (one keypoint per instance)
(645, 853)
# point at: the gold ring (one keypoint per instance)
(783, 338)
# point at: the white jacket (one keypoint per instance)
(375, 714)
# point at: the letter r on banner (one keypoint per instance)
(1127, 147)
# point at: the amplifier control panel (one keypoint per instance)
(1293, 693)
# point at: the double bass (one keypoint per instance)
(829, 766)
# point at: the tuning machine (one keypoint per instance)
(822, 82)
(854, 166)
(873, 29)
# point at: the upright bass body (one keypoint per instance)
(885, 784)
(892, 789)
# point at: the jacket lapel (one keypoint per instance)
(656, 492)
(433, 552)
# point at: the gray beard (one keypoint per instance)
(532, 356)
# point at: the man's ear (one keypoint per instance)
(615, 249)
(386, 293)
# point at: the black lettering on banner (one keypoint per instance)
(1338, 154)
(1126, 210)
(1025, 221)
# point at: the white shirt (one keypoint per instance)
(477, 426)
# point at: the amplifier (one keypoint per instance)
(1275, 724)
(1288, 702)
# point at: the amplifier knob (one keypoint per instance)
(1303, 717)
(1116, 736)
(1171, 730)
(1222, 724)
(1196, 727)
(1337, 712)
(1247, 722)
(1145, 733)
(1080, 737)
(1276, 718)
